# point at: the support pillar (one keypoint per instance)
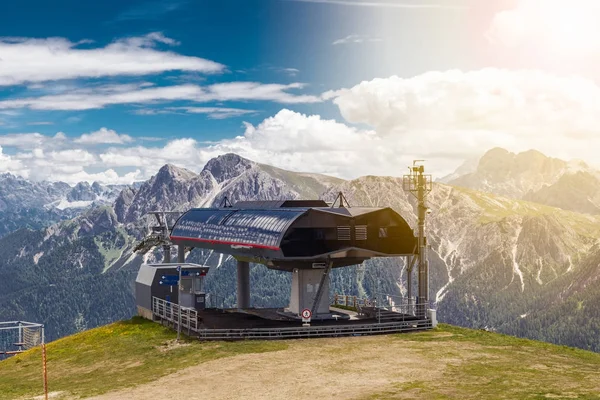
(243, 284)
(306, 284)
(180, 254)
(166, 254)
(410, 260)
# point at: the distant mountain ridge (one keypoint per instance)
(530, 175)
(24, 203)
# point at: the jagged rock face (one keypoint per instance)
(81, 192)
(231, 176)
(19, 193)
(532, 176)
(227, 166)
(577, 192)
(171, 189)
(502, 172)
(123, 202)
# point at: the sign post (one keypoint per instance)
(45, 371)
(306, 315)
(179, 305)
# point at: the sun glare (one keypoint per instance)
(565, 27)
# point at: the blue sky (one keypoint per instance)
(111, 90)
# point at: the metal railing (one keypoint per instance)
(314, 331)
(352, 301)
(167, 311)
(386, 306)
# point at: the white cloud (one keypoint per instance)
(99, 97)
(566, 27)
(287, 140)
(23, 140)
(36, 60)
(354, 38)
(459, 114)
(103, 136)
(443, 117)
(215, 112)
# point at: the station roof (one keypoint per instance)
(259, 228)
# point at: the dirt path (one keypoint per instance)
(333, 372)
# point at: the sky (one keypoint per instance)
(110, 91)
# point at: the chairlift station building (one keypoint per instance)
(306, 238)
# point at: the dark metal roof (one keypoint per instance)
(260, 228)
(349, 211)
(280, 204)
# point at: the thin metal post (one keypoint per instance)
(179, 304)
(45, 370)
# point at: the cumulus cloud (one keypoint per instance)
(99, 97)
(288, 140)
(27, 60)
(103, 136)
(443, 117)
(464, 113)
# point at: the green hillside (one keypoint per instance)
(136, 359)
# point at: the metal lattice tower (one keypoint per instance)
(420, 185)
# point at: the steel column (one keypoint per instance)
(423, 263)
(180, 254)
(243, 284)
(166, 253)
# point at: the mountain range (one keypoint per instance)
(35, 205)
(515, 246)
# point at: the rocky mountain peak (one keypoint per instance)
(81, 192)
(170, 172)
(227, 166)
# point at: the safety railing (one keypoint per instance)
(167, 311)
(314, 331)
(384, 306)
(352, 301)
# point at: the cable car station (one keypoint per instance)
(306, 238)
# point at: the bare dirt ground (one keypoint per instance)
(351, 368)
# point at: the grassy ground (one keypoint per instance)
(445, 363)
(500, 367)
(112, 357)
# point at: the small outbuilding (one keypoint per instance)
(162, 281)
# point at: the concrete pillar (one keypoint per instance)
(180, 254)
(166, 254)
(243, 284)
(305, 284)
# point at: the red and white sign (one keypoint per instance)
(306, 314)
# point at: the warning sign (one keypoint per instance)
(306, 314)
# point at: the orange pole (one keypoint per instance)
(45, 371)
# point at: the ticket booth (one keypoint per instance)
(191, 288)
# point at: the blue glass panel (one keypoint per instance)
(259, 226)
